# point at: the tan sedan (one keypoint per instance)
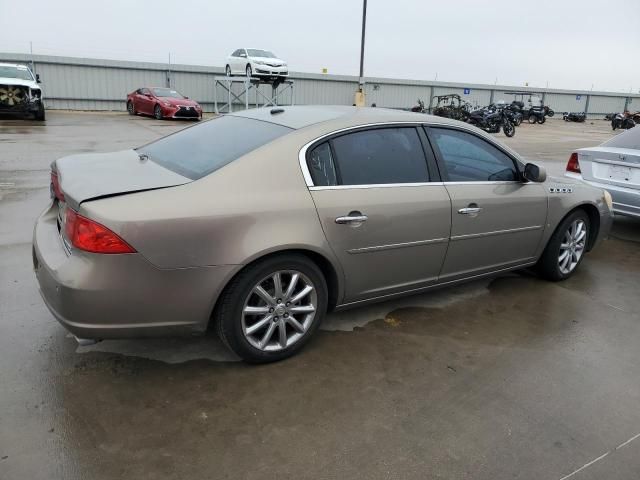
(259, 222)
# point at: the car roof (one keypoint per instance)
(297, 117)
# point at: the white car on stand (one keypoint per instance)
(253, 62)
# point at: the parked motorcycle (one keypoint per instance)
(574, 117)
(419, 108)
(492, 121)
(622, 121)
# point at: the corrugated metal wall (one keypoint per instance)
(92, 84)
(600, 104)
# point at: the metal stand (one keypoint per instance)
(248, 84)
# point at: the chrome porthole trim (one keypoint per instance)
(279, 310)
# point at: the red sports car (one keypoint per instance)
(162, 102)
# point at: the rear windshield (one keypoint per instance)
(197, 151)
(628, 139)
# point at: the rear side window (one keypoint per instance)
(372, 157)
(197, 151)
(628, 139)
(321, 166)
(468, 158)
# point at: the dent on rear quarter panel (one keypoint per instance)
(258, 203)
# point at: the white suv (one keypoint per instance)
(20, 92)
(254, 62)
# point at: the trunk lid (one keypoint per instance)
(90, 176)
(611, 165)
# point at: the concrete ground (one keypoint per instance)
(510, 378)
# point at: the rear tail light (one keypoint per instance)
(573, 165)
(56, 191)
(90, 236)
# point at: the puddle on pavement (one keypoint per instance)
(209, 347)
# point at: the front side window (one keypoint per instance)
(468, 158)
(197, 151)
(380, 156)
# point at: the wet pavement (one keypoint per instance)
(510, 378)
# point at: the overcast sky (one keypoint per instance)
(567, 43)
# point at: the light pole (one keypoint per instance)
(359, 100)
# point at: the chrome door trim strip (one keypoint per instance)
(435, 285)
(392, 246)
(375, 185)
(496, 232)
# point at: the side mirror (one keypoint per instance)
(186, 98)
(37, 78)
(534, 173)
(243, 55)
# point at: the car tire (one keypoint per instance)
(509, 129)
(130, 108)
(564, 242)
(157, 112)
(40, 114)
(267, 342)
(541, 119)
(249, 71)
(532, 118)
(227, 70)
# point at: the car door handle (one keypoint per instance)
(352, 218)
(469, 210)
(472, 210)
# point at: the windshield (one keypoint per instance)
(166, 92)
(197, 151)
(260, 53)
(22, 73)
(628, 139)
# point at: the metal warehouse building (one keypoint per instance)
(93, 84)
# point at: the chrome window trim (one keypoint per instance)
(375, 185)
(489, 182)
(302, 155)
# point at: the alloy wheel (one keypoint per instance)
(279, 310)
(572, 246)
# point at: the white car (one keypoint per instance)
(614, 166)
(20, 92)
(254, 62)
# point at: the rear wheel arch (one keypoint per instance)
(325, 265)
